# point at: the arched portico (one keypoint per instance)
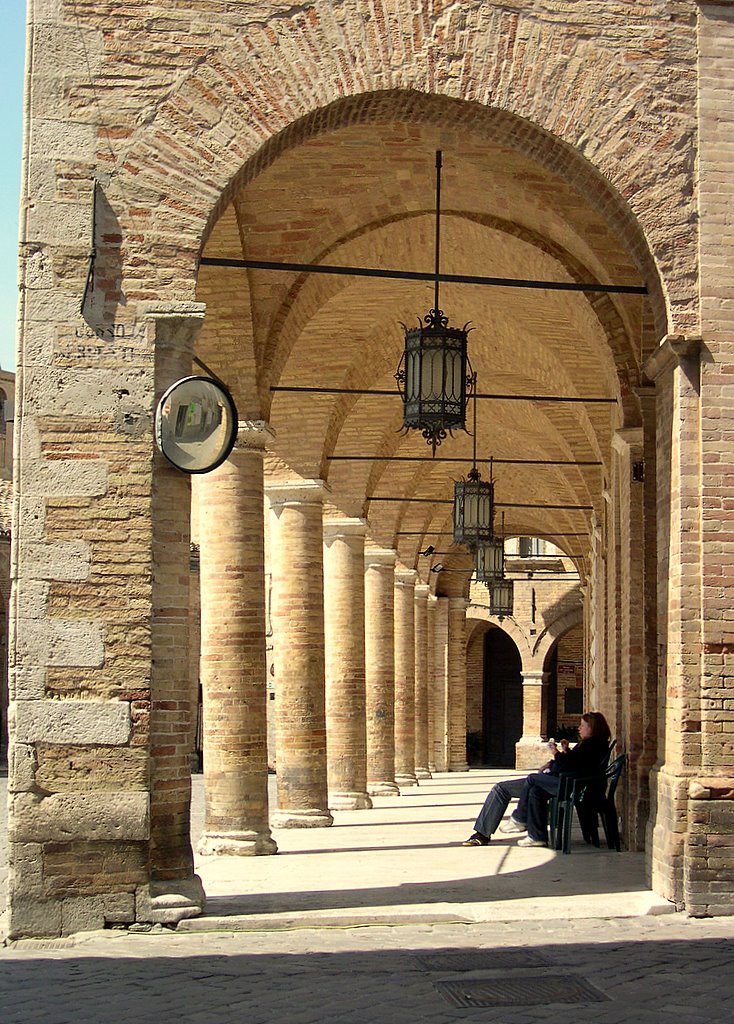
(322, 160)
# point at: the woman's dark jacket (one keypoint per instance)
(587, 758)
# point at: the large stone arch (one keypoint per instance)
(242, 121)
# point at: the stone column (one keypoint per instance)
(404, 619)
(233, 670)
(175, 892)
(380, 671)
(440, 684)
(430, 681)
(531, 749)
(346, 727)
(298, 625)
(421, 681)
(456, 685)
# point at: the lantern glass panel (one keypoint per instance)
(473, 512)
(490, 561)
(501, 597)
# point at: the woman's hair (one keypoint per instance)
(599, 726)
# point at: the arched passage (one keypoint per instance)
(577, 148)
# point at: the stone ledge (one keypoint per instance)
(711, 788)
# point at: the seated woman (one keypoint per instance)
(531, 814)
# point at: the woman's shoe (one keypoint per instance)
(477, 840)
(513, 825)
(527, 841)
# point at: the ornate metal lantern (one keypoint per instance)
(501, 598)
(434, 376)
(490, 561)
(473, 510)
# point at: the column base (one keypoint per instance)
(406, 779)
(432, 766)
(170, 901)
(423, 773)
(383, 789)
(309, 818)
(236, 844)
(347, 801)
(460, 766)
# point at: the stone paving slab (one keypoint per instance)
(404, 858)
(655, 970)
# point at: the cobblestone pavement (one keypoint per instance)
(652, 970)
(298, 970)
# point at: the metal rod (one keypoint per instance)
(438, 228)
(206, 369)
(498, 504)
(494, 460)
(449, 533)
(412, 275)
(394, 394)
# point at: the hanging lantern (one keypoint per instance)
(473, 510)
(501, 598)
(490, 561)
(434, 376)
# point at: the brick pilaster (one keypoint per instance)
(380, 671)
(456, 685)
(530, 750)
(439, 683)
(422, 770)
(430, 682)
(346, 729)
(175, 891)
(233, 669)
(298, 625)
(404, 618)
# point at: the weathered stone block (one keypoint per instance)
(73, 721)
(55, 642)
(64, 817)
(30, 916)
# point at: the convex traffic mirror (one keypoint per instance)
(196, 424)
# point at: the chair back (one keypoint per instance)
(613, 773)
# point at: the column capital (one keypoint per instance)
(405, 577)
(254, 436)
(297, 492)
(671, 352)
(379, 558)
(535, 677)
(422, 591)
(626, 438)
(346, 527)
(175, 323)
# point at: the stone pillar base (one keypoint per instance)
(170, 901)
(407, 779)
(459, 766)
(311, 818)
(423, 773)
(531, 752)
(383, 789)
(236, 844)
(349, 802)
(432, 767)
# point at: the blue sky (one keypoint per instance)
(11, 89)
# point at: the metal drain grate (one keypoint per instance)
(481, 960)
(520, 990)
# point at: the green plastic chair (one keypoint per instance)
(593, 797)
